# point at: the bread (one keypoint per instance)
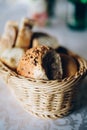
(61, 49)
(41, 62)
(10, 33)
(9, 36)
(31, 63)
(45, 40)
(3, 45)
(24, 34)
(69, 65)
(53, 65)
(11, 57)
(64, 50)
(28, 22)
(35, 43)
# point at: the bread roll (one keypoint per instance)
(24, 34)
(69, 65)
(31, 63)
(28, 22)
(45, 40)
(11, 57)
(9, 36)
(10, 33)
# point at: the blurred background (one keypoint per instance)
(64, 19)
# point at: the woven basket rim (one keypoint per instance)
(82, 69)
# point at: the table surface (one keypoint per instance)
(12, 115)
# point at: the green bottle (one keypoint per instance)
(77, 14)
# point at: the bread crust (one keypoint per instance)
(31, 63)
(11, 57)
(25, 34)
(9, 36)
(53, 65)
(69, 65)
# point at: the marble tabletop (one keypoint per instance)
(12, 115)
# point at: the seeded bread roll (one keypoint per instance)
(11, 57)
(69, 65)
(31, 63)
(24, 34)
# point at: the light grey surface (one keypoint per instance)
(12, 116)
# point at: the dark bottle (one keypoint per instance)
(77, 14)
(50, 7)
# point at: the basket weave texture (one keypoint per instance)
(45, 98)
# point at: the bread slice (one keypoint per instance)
(69, 65)
(25, 33)
(46, 40)
(10, 33)
(11, 57)
(9, 36)
(53, 65)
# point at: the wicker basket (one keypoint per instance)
(45, 98)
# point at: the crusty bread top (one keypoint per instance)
(31, 63)
(11, 24)
(9, 36)
(24, 34)
(11, 29)
(23, 38)
(28, 22)
(10, 33)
